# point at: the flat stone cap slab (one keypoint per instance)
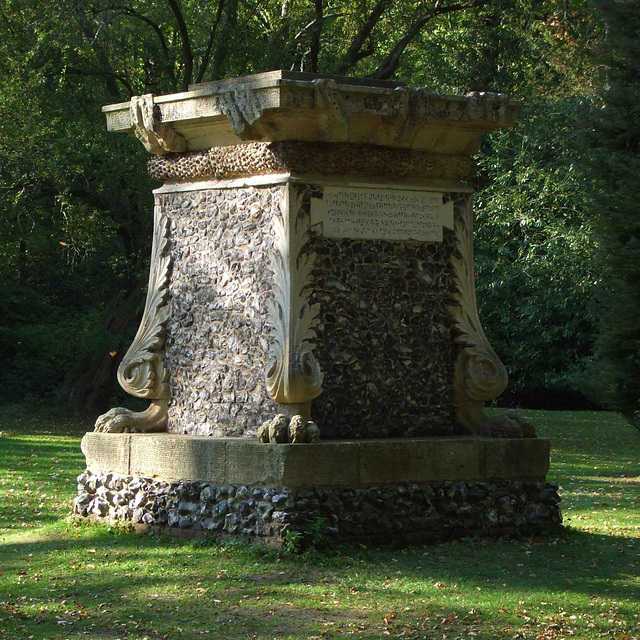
(362, 463)
(284, 105)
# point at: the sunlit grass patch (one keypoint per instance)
(66, 578)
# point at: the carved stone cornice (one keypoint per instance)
(143, 371)
(284, 105)
(293, 374)
(479, 374)
(156, 137)
(362, 160)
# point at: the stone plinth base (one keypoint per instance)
(405, 491)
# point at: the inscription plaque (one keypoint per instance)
(381, 214)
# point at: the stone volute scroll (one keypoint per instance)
(479, 375)
(293, 374)
(143, 371)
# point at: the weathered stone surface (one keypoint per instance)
(105, 453)
(523, 458)
(182, 458)
(320, 463)
(279, 429)
(258, 463)
(298, 430)
(285, 105)
(236, 461)
(509, 424)
(411, 461)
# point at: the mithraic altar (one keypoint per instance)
(310, 346)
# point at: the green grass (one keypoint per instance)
(64, 578)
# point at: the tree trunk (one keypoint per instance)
(89, 386)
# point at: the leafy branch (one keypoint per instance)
(391, 62)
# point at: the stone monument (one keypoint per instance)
(310, 346)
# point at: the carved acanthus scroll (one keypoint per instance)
(143, 371)
(156, 137)
(242, 108)
(293, 374)
(480, 376)
(334, 115)
(486, 106)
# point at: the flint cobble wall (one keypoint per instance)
(400, 512)
(217, 337)
(384, 339)
(385, 343)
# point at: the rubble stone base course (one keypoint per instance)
(400, 513)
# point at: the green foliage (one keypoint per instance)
(41, 347)
(74, 203)
(75, 206)
(311, 540)
(292, 541)
(535, 251)
(615, 137)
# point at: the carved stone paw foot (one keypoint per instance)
(509, 424)
(296, 430)
(117, 420)
(121, 420)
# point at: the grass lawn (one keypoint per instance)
(64, 578)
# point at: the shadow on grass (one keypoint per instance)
(93, 581)
(103, 581)
(42, 419)
(581, 562)
(38, 481)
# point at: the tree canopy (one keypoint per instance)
(75, 202)
(614, 137)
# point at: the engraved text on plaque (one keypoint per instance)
(381, 214)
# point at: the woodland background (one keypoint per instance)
(557, 204)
